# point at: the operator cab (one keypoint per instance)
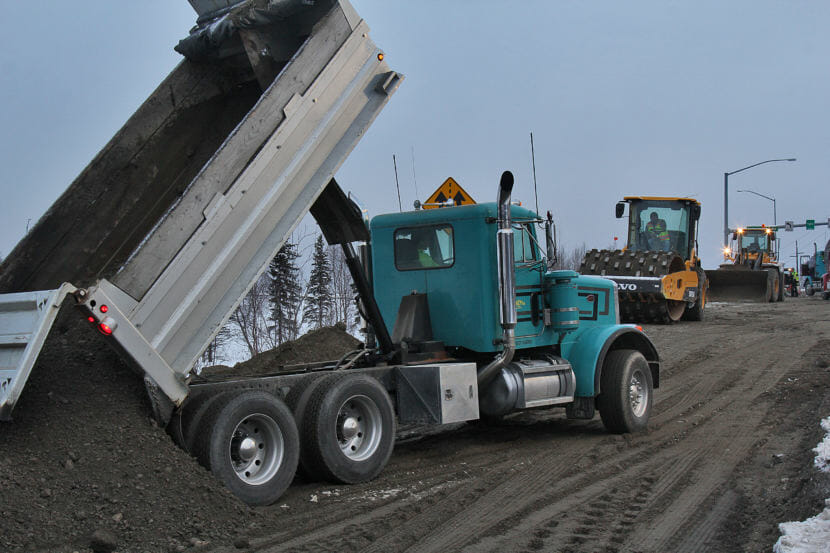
(752, 241)
(661, 224)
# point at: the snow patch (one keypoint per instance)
(812, 535)
(822, 461)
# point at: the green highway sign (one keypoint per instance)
(811, 224)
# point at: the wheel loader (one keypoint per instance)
(751, 271)
(658, 273)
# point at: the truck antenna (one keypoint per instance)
(533, 159)
(415, 180)
(398, 186)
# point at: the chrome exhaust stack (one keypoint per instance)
(507, 282)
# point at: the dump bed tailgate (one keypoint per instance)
(25, 321)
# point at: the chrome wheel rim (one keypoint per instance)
(359, 428)
(256, 449)
(638, 394)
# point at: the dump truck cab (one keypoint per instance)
(445, 259)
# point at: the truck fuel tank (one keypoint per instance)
(529, 383)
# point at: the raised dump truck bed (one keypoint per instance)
(178, 215)
(134, 206)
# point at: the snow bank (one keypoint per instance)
(812, 535)
(822, 450)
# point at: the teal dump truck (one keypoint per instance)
(465, 320)
(813, 272)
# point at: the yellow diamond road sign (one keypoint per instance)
(450, 191)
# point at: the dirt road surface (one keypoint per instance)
(727, 456)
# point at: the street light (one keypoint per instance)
(726, 195)
(774, 218)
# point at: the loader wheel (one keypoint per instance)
(627, 391)
(825, 296)
(348, 429)
(773, 286)
(252, 445)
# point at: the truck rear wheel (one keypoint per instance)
(297, 400)
(251, 444)
(627, 391)
(348, 429)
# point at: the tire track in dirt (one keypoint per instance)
(451, 536)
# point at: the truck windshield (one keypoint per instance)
(754, 241)
(429, 247)
(523, 248)
(661, 225)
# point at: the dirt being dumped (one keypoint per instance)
(84, 466)
(83, 457)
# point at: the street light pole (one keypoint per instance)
(726, 194)
(774, 218)
(774, 215)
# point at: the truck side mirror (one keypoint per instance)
(695, 212)
(620, 209)
(550, 241)
(734, 236)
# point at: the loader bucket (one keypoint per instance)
(742, 285)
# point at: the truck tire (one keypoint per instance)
(348, 429)
(251, 445)
(186, 421)
(809, 290)
(627, 391)
(297, 400)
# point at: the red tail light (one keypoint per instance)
(91, 319)
(104, 309)
(107, 326)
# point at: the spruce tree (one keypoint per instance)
(285, 293)
(318, 304)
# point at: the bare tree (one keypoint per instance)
(342, 288)
(250, 319)
(214, 353)
(570, 259)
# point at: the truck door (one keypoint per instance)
(529, 268)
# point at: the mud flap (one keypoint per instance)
(581, 408)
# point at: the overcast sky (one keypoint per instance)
(623, 98)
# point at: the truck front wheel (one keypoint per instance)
(627, 391)
(348, 429)
(252, 446)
